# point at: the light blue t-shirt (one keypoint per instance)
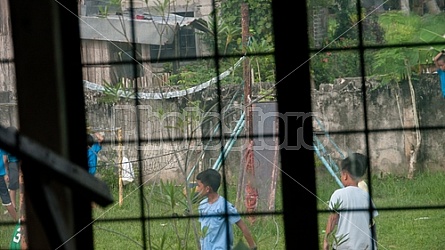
(214, 224)
(441, 74)
(353, 226)
(92, 157)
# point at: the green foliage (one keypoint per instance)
(105, 9)
(264, 65)
(224, 34)
(113, 93)
(260, 21)
(395, 64)
(389, 65)
(107, 170)
(343, 16)
(321, 3)
(160, 243)
(204, 231)
(433, 31)
(327, 66)
(340, 240)
(225, 26)
(168, 195)
(337, 205)
(226, 21)
(342, 33)
(241, 246)
(400, 28)
(202, 71)
(267, 95)
(417, 228)
(107, 174)
(346, 18)
(169, 230)
(317, 162)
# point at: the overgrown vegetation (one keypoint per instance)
(172, 220)
(404, 220)
(388, 64)
(201, 71)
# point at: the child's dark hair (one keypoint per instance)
(210, 177)
(90, 140)
(355, 164)
(12, 129)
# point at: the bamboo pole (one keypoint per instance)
(251, 191)
(120, 157)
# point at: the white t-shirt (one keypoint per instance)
(354, 224)
(362, 184)
(127, 171)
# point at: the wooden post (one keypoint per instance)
(120, 158)
(250, 189)
(21, 214)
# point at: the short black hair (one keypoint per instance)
(355, 164)
(12, 129)
(90, 140)
(210, 177)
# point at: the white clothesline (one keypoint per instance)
(166, 95)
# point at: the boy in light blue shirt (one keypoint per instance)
(216, 214)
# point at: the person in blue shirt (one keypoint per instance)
(217, 215)
(4, 193)
(439, 61)
(12, 166)
(93, 148)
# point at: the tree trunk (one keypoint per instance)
(415, 148)
(404, 6)
(432, 7)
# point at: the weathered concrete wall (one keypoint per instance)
(389, 116)
(147, 135)
(389, 128)
(340, 107)
(166, 139)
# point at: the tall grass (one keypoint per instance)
(171, 224)
(410, 216)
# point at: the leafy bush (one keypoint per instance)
(327, 66)
(201, 71)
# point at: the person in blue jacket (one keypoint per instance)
(93, 148)
(13, 169)
(439, 61)
(4, 193)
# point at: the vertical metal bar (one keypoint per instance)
(294, 102)
(51, 111)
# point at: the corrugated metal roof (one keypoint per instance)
(148, 29)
